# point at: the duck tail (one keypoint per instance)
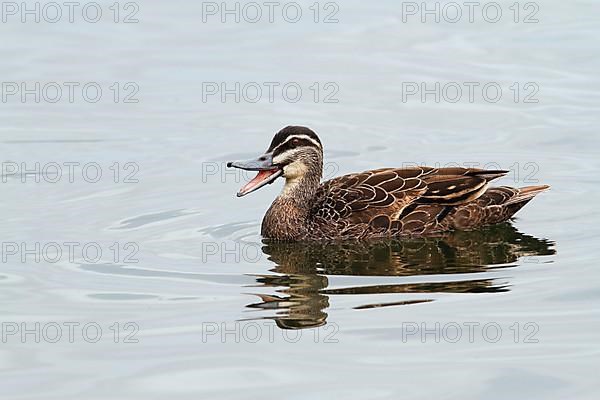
(525, 194)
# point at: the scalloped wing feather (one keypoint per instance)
(398, 200)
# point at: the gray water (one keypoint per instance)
(185, 299)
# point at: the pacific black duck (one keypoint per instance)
(386, 202)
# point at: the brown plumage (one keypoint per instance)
(387, 202)
(412, 202)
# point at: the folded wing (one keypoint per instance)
(381, 197)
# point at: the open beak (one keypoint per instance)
(267, 172)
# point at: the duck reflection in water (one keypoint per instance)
(302, 269)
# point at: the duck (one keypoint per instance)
(379, 203)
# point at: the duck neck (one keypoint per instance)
(287, 218)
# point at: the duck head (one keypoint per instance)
(295, 153)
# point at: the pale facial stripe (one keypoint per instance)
(291, 137)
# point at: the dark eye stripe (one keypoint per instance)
(282, 148)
